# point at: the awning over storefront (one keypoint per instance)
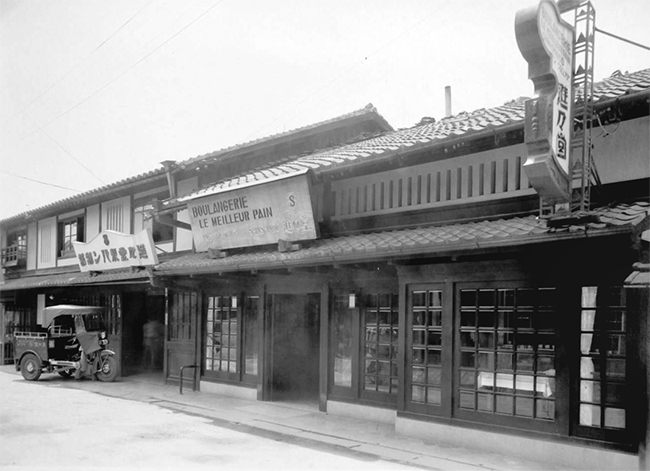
(76, 279)
(414, 242)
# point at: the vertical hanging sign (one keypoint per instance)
(546, 42)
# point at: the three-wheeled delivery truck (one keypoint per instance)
(74, 344)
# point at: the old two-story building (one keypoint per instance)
(414, 278)
(40, 266)
(411, 277)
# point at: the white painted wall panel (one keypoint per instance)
(116, 215)
(183, 236)
(47, 243)
(93, 222)
(32, 245)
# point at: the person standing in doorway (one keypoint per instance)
(152, 335)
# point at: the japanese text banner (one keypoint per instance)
(110, 250)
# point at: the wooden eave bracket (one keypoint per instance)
(168, 220)
(571, 219)
(216, 253)
(287, 246)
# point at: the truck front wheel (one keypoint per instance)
(107, 369)
(30, 367)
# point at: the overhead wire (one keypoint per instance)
(38, 181)
(72, 156)
(170, 38)
(135, 64)
(314, 93)
(79, 64)
(139, 61)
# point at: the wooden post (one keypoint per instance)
(641, 296)
(3, 338)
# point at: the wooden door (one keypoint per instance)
(292, 364)
(181, 327)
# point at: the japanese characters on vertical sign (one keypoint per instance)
(253, 215)
(111, 250)
(546, 42)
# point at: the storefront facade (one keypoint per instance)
(41, 268)
(436, 295)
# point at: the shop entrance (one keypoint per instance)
(293, 370)
(143, 333)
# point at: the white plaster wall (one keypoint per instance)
(47, 233)
(621, 150)
(32, 245)
(184, 239)
(92, 222)
(124, 225)
(67, 262)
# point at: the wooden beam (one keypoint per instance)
(168, 220)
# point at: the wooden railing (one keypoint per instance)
(14, 255)
(478, 177)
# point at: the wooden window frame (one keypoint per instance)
(337, 390)
(180, 318)
(63, 238)
(622, 436)
(495, 419)
(364, 394)
(446, 365)
(239, 375)
(357, 392)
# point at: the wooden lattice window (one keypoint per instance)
(506, 362)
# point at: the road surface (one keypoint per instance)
(47, 426)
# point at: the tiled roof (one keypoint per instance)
(74, 279)
(85, 196)
(431, 133)
(368, 109)
(81, 197)
(425, 135)
(620, 84)
(413, 242)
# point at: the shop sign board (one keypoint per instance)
(254, 215)
(111, 250)
(546, 42)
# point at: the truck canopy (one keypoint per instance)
(49, 313)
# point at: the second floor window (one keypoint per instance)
(143, 219)
(71, 230)
(16, 250)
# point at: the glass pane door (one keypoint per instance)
(603, 331)
(425, 348)
(380, 342)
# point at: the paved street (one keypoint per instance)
(46, 425)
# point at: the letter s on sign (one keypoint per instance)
(292, 200)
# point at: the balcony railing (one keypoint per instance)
(14, 256)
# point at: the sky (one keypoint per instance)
(96, 91)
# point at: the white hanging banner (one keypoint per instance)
(254, 215)
(110, 250)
